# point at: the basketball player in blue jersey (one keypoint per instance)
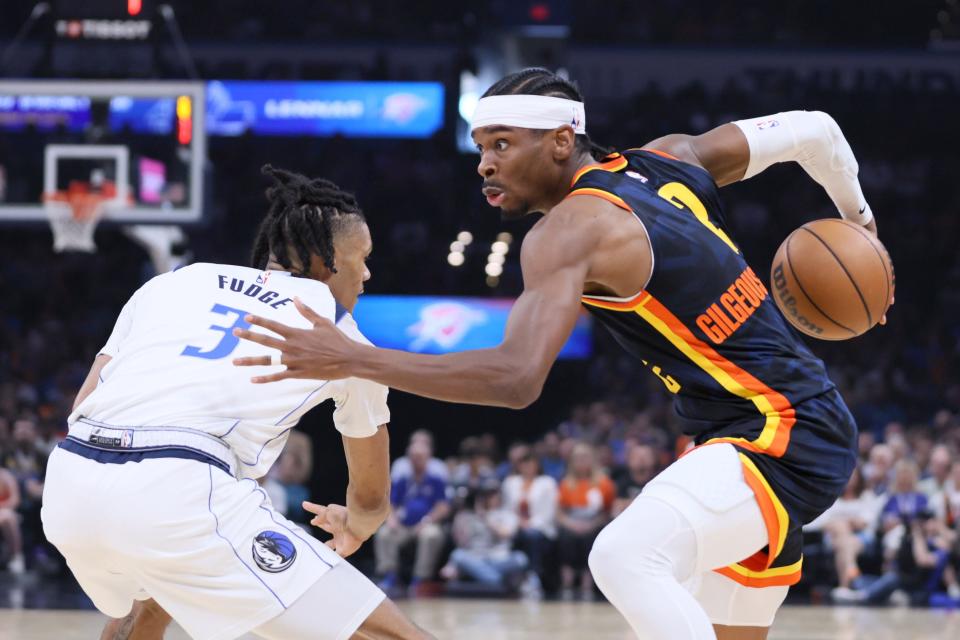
(712, 544)
(153, 497)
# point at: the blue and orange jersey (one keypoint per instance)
(740, 374)
(707, 327)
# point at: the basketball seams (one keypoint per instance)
(796, 278)
(883, 262)
(856, 287)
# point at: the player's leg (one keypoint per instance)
(146, 621)
(342, 604)
(79, 525)
(741, 633)
(738, 612)
(387, 622)
(697, 515)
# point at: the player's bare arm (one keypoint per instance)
(92, 379)
(368, 494)
(556, 262)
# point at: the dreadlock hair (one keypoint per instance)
(304, 215)
(537, 81)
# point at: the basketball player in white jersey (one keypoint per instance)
(153, 495)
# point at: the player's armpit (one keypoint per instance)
(722, 151)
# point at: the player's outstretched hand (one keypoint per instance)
(320, 353)
(333, 519)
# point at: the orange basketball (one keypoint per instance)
(832, 279)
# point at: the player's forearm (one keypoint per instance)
(484, 376)
(365, 515)
(814, 141)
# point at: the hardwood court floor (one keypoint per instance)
(508, 620)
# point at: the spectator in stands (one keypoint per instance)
(532, 496)
(850, 525)
(10, 536)
(903, 506)
(641, 468)
(402, 467)
(938, 470)
(919, 568)
(550, 459)
(586, 497)
(876, 472)
(474, 470)
(419, 507)
(26, 460)
(483, 533)
(515, 453)
(946, 504)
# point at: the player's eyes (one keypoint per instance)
(480, 148)
(502, 145)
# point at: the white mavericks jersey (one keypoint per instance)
(172, 353)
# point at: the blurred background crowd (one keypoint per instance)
(493, 502)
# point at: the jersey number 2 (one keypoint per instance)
(228, 342)
(680, 196)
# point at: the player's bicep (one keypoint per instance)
(545, 314)
(722, 151)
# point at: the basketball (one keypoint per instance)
(832, 279)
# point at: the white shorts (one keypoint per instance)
(210, 549)
(708, 488)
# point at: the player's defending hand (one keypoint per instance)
(320, 353)
(333, 519)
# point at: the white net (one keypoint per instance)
(73, 219)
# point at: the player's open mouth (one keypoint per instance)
(494, 195)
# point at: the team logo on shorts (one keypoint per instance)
(273, 552)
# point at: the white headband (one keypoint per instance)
(530, 112)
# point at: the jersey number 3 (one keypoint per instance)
(680, 196)
(228, 342)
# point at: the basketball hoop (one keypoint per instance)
(74, 214)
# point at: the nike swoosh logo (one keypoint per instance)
(862, 209)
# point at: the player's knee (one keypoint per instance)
(652, 543)
(606, 556)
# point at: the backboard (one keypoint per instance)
(147, 139)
